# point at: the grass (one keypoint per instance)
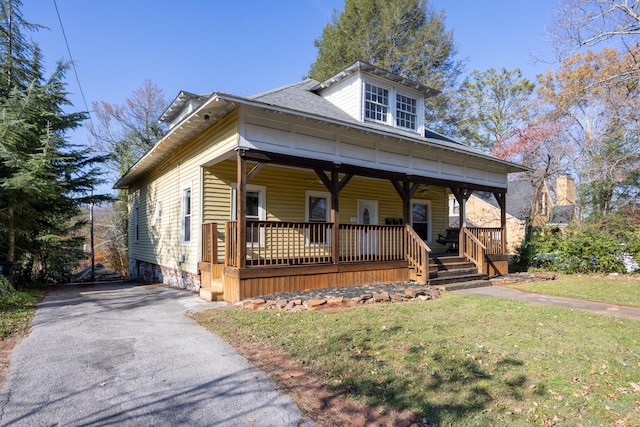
(462, 359)
(17, 311)
(615, 290)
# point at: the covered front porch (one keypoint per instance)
(262, 257)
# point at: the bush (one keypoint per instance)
(598, 247)
(6, 289)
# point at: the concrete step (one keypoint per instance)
(465, 271)
(451, 266)
(465, 285)
(438, 281)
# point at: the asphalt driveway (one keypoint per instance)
(127, 355)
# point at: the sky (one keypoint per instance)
(244, 47)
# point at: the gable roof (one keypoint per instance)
(372, 69)
(299, 99)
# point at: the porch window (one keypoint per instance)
(406, 112)
(376, 104)
(186, 216)
(318, 210)
(256, 211)
(421, 218)
(454, 206)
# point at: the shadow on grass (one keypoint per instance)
(438, 384)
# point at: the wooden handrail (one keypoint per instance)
(474, 250)
(491, 238)
(210, 242)
(417, 253)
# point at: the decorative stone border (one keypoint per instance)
(298, 304)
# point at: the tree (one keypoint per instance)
(600, 112)
(126, 132)
(406, 37)
(493, 106)
(539, 145)
(43, 178)
(587, 23)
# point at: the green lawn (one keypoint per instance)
(17, 311)
(462, 359)
(616, 290)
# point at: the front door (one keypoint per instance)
(367, 237)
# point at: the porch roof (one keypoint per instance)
(298, 100)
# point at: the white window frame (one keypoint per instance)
(386, 108)
(262, 208)
(406, 113)
(317, 194)
(453, 205)
(136, 224)
(184, 215)
(426, 203)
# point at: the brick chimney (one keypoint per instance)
(565, 191)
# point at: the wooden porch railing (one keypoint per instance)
(210, 242)
(474, 249)
(280, 243)
(491, 238)
(417, 253)
(360, 242)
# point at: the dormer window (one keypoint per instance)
(406, 112)
(376, 103)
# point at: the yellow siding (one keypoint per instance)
(160, 239)
(285, 197)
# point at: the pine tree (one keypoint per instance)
(43, 178)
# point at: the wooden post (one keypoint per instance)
(501, 198)
(335, 217)
(241, 210)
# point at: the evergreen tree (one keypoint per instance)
(493, 106)
(43, 178)
(406, 37)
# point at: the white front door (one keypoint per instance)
(367, 238)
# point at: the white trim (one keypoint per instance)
(426, 203)
(318, 194)
(136, 223)
(262, 209)
(183, 215)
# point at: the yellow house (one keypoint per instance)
(311, 185)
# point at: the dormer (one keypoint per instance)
(372, 95)
(181, 107)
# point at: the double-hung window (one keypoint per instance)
(376, 105)
(256, 211)
(318, 213)
(406, 112)
(186, 216)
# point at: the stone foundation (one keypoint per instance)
(143, 271)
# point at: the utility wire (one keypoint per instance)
(73, 63)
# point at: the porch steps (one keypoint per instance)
(455, 272)
(213, 292)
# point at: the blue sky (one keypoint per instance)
(244, 47)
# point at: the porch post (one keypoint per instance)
(335, 217)
(241, 210)
(461, 196)
(406, 192)
(335, 186)
(501, 198)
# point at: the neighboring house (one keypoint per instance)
(315, 184)
(555, 208)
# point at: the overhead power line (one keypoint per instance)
(73, 63)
